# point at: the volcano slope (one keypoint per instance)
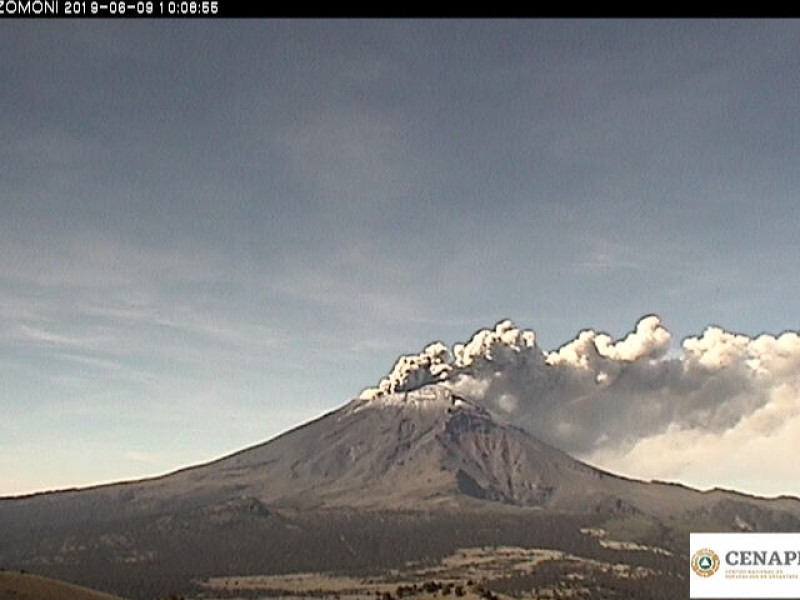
(375, 484)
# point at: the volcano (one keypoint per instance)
(377, 482)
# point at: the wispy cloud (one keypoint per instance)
(142, 457)
(607, 256)
(40, 336)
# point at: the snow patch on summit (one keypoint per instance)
(436, 396)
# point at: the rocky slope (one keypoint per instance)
(375, 482)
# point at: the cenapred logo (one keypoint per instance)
(744, 565)
(705, 562)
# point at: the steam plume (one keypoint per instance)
(630, 406)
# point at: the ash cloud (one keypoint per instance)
(630, 405)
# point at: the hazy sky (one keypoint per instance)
(214, 230)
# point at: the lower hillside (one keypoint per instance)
(480, 573)
(25, 586)
(151, 558)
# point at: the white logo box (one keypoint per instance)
(751, 565)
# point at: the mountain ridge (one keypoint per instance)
(426, 471)
(378, 445)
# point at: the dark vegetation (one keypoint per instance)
(148, 557)
(594, 583)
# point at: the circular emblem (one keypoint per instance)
(705, 562)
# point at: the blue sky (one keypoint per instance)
(212, 231)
